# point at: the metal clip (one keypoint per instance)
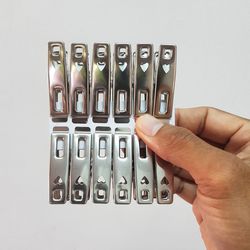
(144, 79)
(58, 86)
(122, 85)
(163, 108)
(101, 82)
(144, 172)
(122, 166)
(102, 156)
(79, 82)
(164, 91)
(59, 167)
(80, 167)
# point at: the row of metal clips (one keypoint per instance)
(93, 112)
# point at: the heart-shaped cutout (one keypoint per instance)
(144, 67)
(101, 65)
(123, 66)
(101, 179)
(79, 181)
(144, 180)
(166, 68)
(164, 181)
(123, 180)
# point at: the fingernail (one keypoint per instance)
(148, 124)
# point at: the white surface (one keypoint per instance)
(213, 39)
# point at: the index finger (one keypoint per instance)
(210, 123)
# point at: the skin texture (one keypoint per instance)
(210, 150)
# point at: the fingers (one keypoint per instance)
(185, 190)
(210, 123)
(183, 149)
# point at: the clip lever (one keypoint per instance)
(163, 109)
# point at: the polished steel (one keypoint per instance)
(79, 82)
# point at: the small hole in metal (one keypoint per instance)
(101, 193)
(167, 54)
(122, 52)
(78, 52)
(101, 51)
(123, 194)
(144, 52)
(165, 194)
(145, 194)
(58, 98)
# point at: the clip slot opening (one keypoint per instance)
(144, 52)
(163, 107)
(143, 149)
(122, 101)
(100, 101)
(167, 54)
(58, 100)
(122, 148)
(59, 147)
(143, 101)
(101, 51)
(79, 101)
(81, 153)
(122, 52)
(102, 147)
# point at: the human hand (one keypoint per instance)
(211, 149)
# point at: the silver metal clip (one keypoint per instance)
(164, 91)
(101, 82)
(80, 167)
(79, 82)
(102, 157)
(59, 167)
(144, 79)
(58, 86)
(144, 172)
(122, 82)
(163, 108)
(122, 166)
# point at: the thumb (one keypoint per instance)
(184, 149)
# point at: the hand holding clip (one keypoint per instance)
(212, 151)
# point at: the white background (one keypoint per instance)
(213, 39)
